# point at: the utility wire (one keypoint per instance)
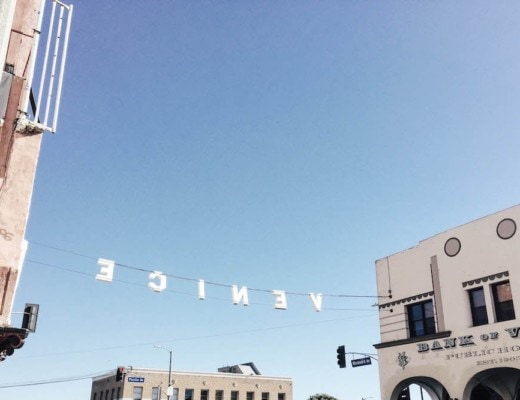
(29, 260)
(189, 338)
(51, 381)
(140, 269)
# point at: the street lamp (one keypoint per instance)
(169, 370)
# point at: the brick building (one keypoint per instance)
(239, 382)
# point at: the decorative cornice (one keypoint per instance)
(406, 300)
(10, 340)
(485, 279)
(416, 339)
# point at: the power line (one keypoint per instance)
(140, 269)
(51, 381)
(70, 270)
(189, 338)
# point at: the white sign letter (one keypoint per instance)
(107, 270)
(202, 290)
(162, 281)
(316, 300)
(239, 295)
(281, 301)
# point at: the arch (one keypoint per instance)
(433, 387)
(494, 384)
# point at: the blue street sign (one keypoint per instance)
(361, 361)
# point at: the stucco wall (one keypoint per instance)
(484, 259)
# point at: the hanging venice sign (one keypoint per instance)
(158, 283)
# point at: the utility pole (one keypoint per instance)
(169, 390)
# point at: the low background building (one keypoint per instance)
(239, 382)
(448, 322)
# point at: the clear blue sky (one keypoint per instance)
(277, 145)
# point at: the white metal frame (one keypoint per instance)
(47, 89)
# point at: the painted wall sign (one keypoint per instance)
(470, 347)
(463, 341)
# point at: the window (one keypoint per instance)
(250, 395)
(156, 394)
(219, 395)
(112, 394)
(421, 320)
(95, 396)
(234, 395)
(106, 395)
(119, 392)
(265, 395)
(175, 395)
(138, 393)
(101, 395)
(281, 396)
(478, 306)
(503, 299)
(204, 394)
(188, 394)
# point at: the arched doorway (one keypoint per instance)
(482, 392)
(420, 388)
(494, 384)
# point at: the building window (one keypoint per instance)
(281, 396)
(250, 395)
(421, 320)
(101, 395)
(503, 299)
(219, 395)
(234, 395)
(175, 395)
(156, 393)
(95, 396)
(265, 395)
(106, 395)
(112, 394)
(188, 394)
(119, 392)
(204, 394)
(478, 306)
(138, 393)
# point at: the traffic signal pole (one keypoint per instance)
(341, 357)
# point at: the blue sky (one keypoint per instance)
(276, 145)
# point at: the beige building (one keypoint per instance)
(26, 111)
(239, 382)
(449, 320)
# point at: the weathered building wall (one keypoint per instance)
(19, 152)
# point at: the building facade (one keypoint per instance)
(244, 383)
(21, 128)
(449, 313)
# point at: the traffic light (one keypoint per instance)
(119, 374)
(30, 316)
(341, 356)
(405, 394)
